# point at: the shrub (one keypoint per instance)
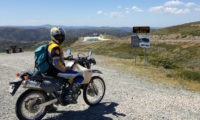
(190, 75)
(164, 62)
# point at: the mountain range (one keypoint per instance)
(48, 26)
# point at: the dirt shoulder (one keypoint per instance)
(128, 96)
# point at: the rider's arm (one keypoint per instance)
(57, 60)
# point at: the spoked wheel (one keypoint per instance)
(94, 92)
(27, 106)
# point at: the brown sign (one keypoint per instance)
(141, 29)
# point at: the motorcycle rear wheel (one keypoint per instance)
(93, 91)
(24, 103)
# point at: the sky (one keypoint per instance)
(113, 13)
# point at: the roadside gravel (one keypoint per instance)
(127, 97)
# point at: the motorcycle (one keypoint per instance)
(33, 103)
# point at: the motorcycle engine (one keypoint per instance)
(67, 96)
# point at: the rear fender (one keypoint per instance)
(15, 85)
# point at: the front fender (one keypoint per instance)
(97, 71)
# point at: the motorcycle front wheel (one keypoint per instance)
(94, 92)
(27, 105)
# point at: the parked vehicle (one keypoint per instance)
(32, 104)
(13, 49)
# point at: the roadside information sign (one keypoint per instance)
(142, 41)
(141, 38)
(135, 41)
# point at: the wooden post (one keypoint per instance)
(135, 55)
(144, 56)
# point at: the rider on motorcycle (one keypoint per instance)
(56, 62)
(51, 82)
(55, 53)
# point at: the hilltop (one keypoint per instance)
(188, 31)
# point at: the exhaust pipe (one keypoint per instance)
(32, 85)
(36, 85)
(48, 103)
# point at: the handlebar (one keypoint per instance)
(69, 58)
(83, 61)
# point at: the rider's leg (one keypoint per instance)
(75, 87)
(77, 83)
(74, 90)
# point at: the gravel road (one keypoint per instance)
(128, 97)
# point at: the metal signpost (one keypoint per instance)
(140, 38)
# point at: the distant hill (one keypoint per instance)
(192, 29)
(21, 34)
(11, 35)
(41, 33)
(28, 36)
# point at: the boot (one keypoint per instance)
(75, 90)
(69, 97)
(73, 93)
(76, 87)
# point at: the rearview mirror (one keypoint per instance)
(68, 51)
(90, 53)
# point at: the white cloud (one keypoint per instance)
(127, 10)
(155, 9)
(190, 4)
(173, 3)
(119, 7)
(137, 9)
(197, 9)
(176, 10)
(169, 10)
(115, 14)
(185, 8)
(105, 14)
(99, 12)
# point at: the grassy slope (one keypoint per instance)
(168, 62)
(184, 31)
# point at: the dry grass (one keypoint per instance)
(119, 54)
(154, 74)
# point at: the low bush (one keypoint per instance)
(190, 75)
(164, 62)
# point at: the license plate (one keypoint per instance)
(14, 86)
(11, 88)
